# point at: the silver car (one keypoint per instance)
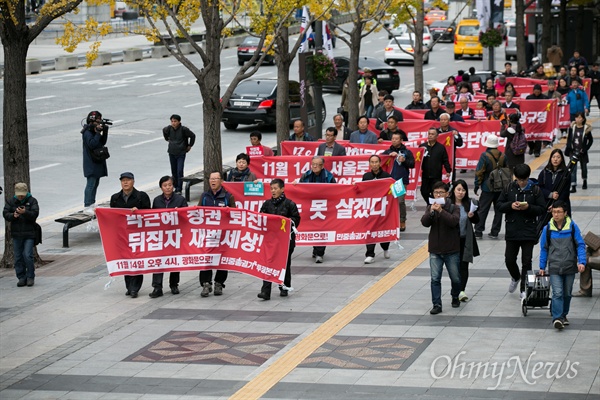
(510, 45)
(393, 53)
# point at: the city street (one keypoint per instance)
(139, 97)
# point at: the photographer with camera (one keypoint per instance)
(95, 136)
(579, 142)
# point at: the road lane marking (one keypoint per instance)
(122, 73)
(154, 94)
(44, 167)
(233, 56)
(67, 80)
(64, 110)
(176, 65)
(171, 77)
(428, 69)
(141, 143)
(193, 105)
(275, 372)
(112, 87)
(227, 69)
(40, 98)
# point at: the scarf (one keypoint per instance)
(239, 176)
(278, 200)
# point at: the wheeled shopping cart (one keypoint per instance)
(537, 292)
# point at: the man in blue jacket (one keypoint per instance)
(562, 250)
(577, 99)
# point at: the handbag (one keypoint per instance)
(100, 155)
(38, 234)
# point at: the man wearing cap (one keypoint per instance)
(181, 140)
(451, 110)
(95, 136)
(21, 211)
(366, 74)
(488, 161)
(130, 197)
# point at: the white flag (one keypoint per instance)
(305, 30)
(327, 44)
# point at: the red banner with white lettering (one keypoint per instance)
(336, 214)
(525, 85)
(194, 238)
(345, 169)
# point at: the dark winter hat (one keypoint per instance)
(175, 116)
(93, 116)
(537, 87)
(127, 175)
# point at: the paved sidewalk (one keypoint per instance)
(348, 330)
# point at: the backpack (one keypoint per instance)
(500, 176)
(518, 145)
(572, 237)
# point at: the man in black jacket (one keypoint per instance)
(435, 157)
(387, 111)
(21, 211)
(376, 173)
(523, 203)
(167, 199)
(435, 111)
(181, 140)
(280, 205)
(216, 196)
(458, 140)
(130, 197)
(416, 103)
(403, 162)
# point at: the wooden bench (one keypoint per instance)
(75, 219)
(71, 221)
(198, 177)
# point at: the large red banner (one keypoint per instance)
(345, 169)
(524, 86)
(336, 214)
(194, 238)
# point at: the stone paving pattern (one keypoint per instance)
(74, 335)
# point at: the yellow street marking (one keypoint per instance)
(264, 381)
(584, 197)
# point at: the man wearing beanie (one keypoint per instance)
(21, 211)
(181, 139)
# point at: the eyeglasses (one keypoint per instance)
(439, 193)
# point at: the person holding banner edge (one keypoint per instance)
(404, 161)
(280, 205)
(435, 157)
(130, 197)
(216, 196)
(168, 199)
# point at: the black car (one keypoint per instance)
(443, 30)
(253, 102)
(248, 47)
(387, 77)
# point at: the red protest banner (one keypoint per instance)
(291, 148)
(346, 169)
(524, 86)
(194, 238)
(336, 214)
(539, 118)
(255, 151)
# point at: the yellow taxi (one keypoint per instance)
(466, 39)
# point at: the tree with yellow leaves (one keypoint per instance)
(17, 34)
(366, 18)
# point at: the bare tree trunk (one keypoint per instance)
(210, 89)
(355, 37)
(14, 124)
(521, 58)
(563, 25)
(418, 54)
(284, 61)
(546, 33)
(579, 28)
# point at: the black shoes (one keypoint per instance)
(155, 293)
(264, 296)
(573, 189)
(455, 302)
(128, 293)
(175, 289)
(584, 186)
(22, 282)
(30, 281)
(479, 235)
(435, 310)
(134, 295)
(283, 293)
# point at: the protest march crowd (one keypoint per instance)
(267, 203)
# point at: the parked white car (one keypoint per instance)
(393, 53)
(402, 30)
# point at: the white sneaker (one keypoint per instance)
(386, 254)
(523, 295)
(319, 259)
(462, 296)
(513, 285)
(369, 260)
